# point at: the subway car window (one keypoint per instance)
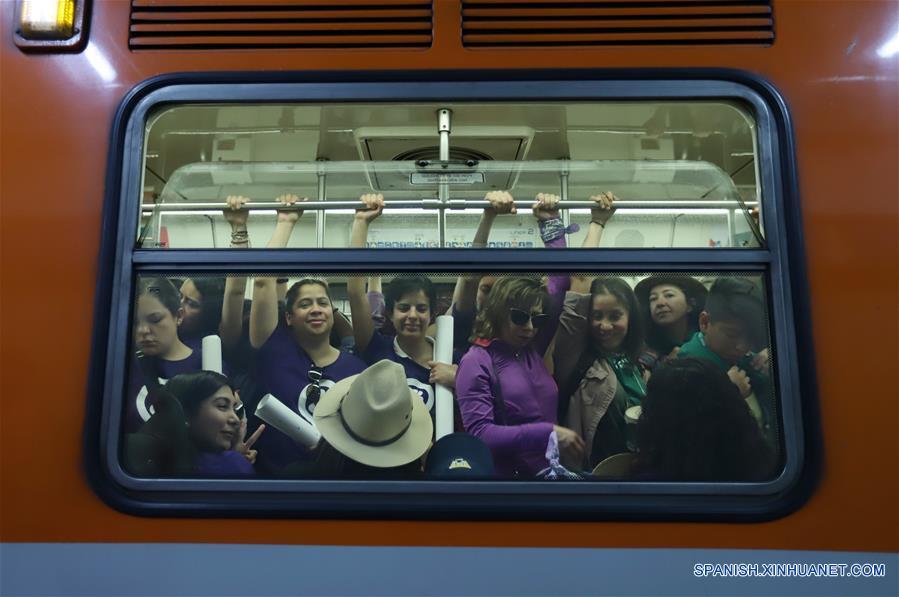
(476, 376)
(449, 304)
(678, 174)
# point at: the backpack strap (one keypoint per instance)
(499, 405)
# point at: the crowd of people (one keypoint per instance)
(553, 377)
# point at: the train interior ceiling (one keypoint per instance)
(685, 173)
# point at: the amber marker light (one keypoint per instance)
(47, 19)
(50, 24)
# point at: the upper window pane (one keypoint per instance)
(683, 174)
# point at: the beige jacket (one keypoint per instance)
(596, 390)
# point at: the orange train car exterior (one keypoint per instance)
(57, 110)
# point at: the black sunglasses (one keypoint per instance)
(314, 393)
(520, 317)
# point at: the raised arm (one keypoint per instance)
(376, 302)
(599, 217)
(264, 310)
(344, 330)
(571, 337)
(552, 232)
(231, 325)
(363, 326)
(466, 290)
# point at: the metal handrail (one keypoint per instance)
(436, 204)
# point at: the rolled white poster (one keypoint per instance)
(212, 354)
(443, 353)
(279, 416)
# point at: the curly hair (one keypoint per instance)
(696, 427)
(508, 292)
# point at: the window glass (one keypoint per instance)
(683, 174)
(588, 377)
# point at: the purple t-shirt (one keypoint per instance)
(137, 408)
(223, 464)
(382, 347)
(282, 370)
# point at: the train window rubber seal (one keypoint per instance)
(782, 262)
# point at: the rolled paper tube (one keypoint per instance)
(443, 353)
(212, 354)
(279, 416)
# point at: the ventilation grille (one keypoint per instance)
(530, 23)
(268, 24)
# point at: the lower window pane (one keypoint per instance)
(592, 378)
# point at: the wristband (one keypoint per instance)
(551, 229)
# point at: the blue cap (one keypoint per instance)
(459, 456)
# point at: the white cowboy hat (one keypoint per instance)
(375, 418)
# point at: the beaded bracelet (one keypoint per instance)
(238, 237)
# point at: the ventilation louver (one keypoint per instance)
(271, 24)
(565, 23)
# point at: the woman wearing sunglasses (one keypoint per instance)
(507, 397)
(506, 394)
(295, 361)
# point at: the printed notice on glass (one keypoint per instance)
(458, 178)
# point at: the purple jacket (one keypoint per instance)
(529, 393)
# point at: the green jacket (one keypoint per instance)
(761, 384)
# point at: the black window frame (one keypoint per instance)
(781, 261)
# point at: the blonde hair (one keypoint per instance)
(508, 292)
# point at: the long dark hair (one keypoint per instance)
(191, 389)
(656, 336)
(695, 426)
(632, 345)
(163, 447)
(212, 293)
